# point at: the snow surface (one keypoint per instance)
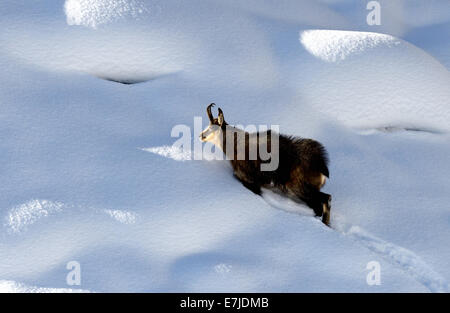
(95, 12)
(7, 286)
(89, 173)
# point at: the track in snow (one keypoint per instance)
(402, 258)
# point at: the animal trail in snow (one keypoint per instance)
(400, 257)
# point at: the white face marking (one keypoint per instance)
(213, 134)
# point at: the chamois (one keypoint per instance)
(301, 170)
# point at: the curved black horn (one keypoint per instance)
(208, 111)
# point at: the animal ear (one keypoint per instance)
(220, 118)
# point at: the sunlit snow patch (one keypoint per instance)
(222, 268)
(171, 152)
(180, 154)
(92, 13)
(336, 45)
(18, 218)
(9, 286)
(123, 217)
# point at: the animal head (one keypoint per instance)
(214, 132)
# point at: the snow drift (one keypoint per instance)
(390, 82)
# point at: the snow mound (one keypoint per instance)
(92, 13)
(18, 218)
(368, 80)
(174, 37)
(334, 45)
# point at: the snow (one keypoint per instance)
(92, 13)
(334, 45)
(90, 173)
(122, 216)
(28, 213)
(7, 286)
(375, 65)
(173, 152)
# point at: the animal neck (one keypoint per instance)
(236, 136)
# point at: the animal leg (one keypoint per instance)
(310, 195)
(321, 204)
(315, 204)
(326, 205)
(318, 201)
(255, 188)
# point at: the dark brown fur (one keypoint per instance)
(299, 175)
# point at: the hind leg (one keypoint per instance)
(315, 204)
(307, 194)
(255, 188)
(318, 201)
(326, 207)
(321, 204)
